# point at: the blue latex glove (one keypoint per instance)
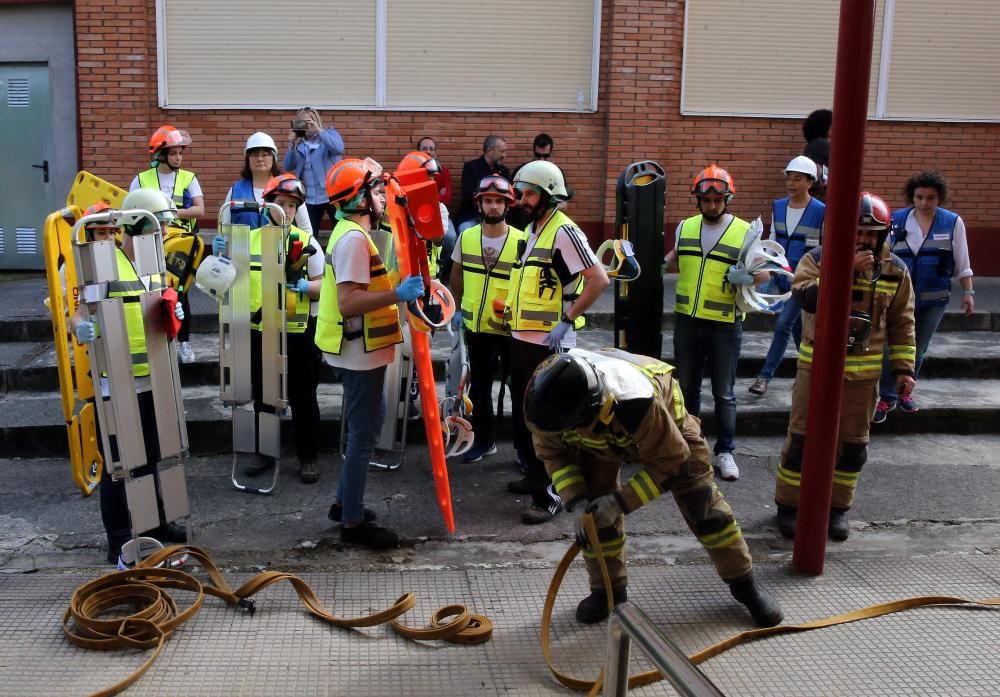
(410, 289)
(179, 312)
(456, 321)
(739, 277)
(555, 337)
(86, 332)
(300, 286)
(218, 245)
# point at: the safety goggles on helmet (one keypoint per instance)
(712, 186)
(285, 184)
(168, 137)
(495, 184)
(521, 187)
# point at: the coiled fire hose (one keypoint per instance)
(157, 616)
(593, 687)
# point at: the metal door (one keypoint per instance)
(27, 193)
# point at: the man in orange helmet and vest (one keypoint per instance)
(708, 330)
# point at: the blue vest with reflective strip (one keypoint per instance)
(932, 267)
(806, 235)
(243, 191)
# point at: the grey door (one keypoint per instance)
(27, 192)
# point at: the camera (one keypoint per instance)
(299, 128)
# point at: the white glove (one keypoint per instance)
(605, 510)
(179, 312)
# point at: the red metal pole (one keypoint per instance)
(847, 140)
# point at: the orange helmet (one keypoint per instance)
(99, 207)
(349, 177)
(496, 185)
(285, 184)
(713, 179)
(416, 160)
(168, 137)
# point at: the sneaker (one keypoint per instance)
(882, 410)
(786, 521)
(260, 465)
(521, 486)
(759, 387)
(185, 352)
(369, 535)
(594, 607)
(763, 607)
(726, 466)
(838, 529)
(543, 509)
(478, 452)
(336, 514)
(907, 405)
(308, 472)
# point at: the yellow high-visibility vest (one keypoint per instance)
(481, 285)
(702, 288)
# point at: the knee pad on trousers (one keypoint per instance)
(796, 448)
(696, 505)
(853, 457)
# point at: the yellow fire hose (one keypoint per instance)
(157, 616)
(593, 687)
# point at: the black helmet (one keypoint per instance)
(566, 391)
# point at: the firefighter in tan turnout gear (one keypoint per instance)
(881, 321)
(591, 412)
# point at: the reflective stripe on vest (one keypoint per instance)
(380, 328)
(128, 287)
(536, 294)
(150, 179)
(297, 323)
(243, 191)
(479, 285)
(932, 267)
(806, 235)
(702, 289)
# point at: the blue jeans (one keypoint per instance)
(699, 343)
(364, 412)
(926, 322)
(787, 324)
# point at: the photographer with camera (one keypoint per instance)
(312, 151)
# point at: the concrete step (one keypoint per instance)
(31, 365)
(31, 423)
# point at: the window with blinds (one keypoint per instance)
(391, 54)
(931, 60)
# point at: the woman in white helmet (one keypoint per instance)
(260, 163)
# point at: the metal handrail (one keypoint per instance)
(628, 622)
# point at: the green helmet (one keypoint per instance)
(544, 175)
(152, 200)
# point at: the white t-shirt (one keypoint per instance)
(492, 247)
(301, 220)
(167, 184)
(576, 254)
(792, 218)
(959, 244)
(351, 264)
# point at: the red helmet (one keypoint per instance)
(713, 179)
(347, 178)
(496, 185)
(285, 184)
(168, 137)
(418, 159)
(875, 213)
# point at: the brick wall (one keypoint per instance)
(637, 118)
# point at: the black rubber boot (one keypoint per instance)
(838, 529)
(594, 607)
(786, 521)
(763, 607)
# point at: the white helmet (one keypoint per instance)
(215, 277)
(545, 175)
(261, 140)
(152, 200)
(803, 165)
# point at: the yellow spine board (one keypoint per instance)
(75, 382)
